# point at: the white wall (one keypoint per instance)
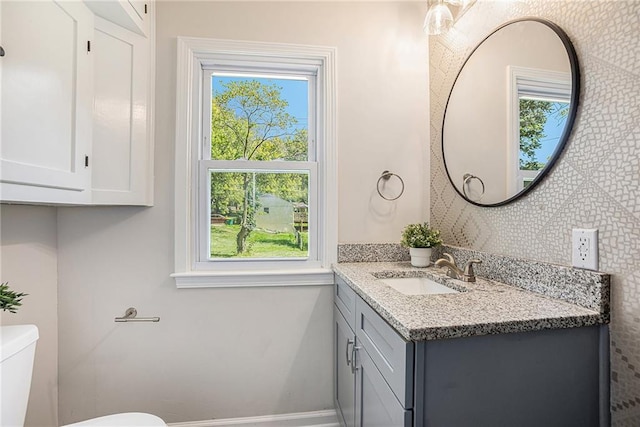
(383, 105)
(214, 354)
(220, 353)
(29, 263)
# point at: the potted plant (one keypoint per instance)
(420, 238)
(10, 300)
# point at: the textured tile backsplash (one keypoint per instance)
(594, 184)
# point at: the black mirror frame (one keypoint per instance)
(571, 117)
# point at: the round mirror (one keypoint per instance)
(510, 111)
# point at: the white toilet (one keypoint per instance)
(17, 351)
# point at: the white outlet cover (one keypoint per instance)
(584, 248)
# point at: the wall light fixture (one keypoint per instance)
(440, 19)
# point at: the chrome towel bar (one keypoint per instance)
(130, 316)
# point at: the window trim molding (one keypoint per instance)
(191, 54)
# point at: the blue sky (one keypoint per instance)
(295, 92)
(553, 130)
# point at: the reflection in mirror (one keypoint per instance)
(537, 114)
(510, 112)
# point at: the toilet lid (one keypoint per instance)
(129, 419)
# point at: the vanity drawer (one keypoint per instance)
(391, 354)
(345, 299)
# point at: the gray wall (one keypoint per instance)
(219, 353)
(29, 262)
(593, 185)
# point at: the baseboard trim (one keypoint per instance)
(301, 419)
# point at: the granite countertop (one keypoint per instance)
(481, 308)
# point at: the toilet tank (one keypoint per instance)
(17, 350)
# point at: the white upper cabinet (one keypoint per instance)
(130, 14)
(122, 156)
(46, 101)
(76, 96)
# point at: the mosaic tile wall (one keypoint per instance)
(595, 183)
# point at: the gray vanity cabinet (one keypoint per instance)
(371, 369)
(548, 378)
(551, 378)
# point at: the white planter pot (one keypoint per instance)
(420, 257)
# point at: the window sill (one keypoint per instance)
(265, 278)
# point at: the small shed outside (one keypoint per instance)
(274, 214)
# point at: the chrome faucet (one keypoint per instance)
(466, 275)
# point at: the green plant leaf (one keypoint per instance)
(420, 236)
(10, 300)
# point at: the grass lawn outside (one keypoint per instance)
(261, 243)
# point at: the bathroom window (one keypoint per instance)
(261, 163)
(258, 167)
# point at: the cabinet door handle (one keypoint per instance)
(349, 342)
(1, 51)
(354, 353)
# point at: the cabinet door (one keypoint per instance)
(376, 405)
(121, 158)
(46, 101)
(392, 355)
(344, 374)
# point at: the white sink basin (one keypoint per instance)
(417, 286)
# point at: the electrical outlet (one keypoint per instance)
(585, 248)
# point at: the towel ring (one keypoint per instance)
(465, 180)
(386, 175)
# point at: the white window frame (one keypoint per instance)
(195, 58)
(534, 83)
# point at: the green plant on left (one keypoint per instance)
(10, 300)
(420, 236)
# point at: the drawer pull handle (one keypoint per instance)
(354, 353)
(349, 342)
